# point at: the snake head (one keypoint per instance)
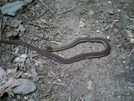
(49, 49)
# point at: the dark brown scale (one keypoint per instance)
(71, 59)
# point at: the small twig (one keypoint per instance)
(46, 6)
(73, 7)
(131, 52)
(39, 25)
(22, 12)
(62, 84)
(39, 15)
(48, 39)
(1, 24)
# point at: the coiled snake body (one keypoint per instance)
(73, 58)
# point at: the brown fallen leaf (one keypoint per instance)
(44, 21)
(84, 36)
(114, 21)
(8, 80)
(59, 55)
(17, 28)
(39, 62)
(129, 32)
(59, 80)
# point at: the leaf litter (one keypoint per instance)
(8, 80)
(17, 28)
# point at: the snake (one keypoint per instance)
(60, 59)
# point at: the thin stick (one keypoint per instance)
(131, 52)
(1, 24)
(39, 25)
(46, 6)
(73, 7)
(48, 39)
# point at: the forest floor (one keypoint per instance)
(109, 78)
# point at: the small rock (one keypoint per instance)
(81, 24)
(97, 31)
(31, 100)
(123, 61)
(108, 37)
(130, 27)
(132, 40)
(29, 1)
(18, 97)
(25, 97)
(109, 2)
(118, 10)
(26, 87)
(119, 97)
(91, 13)
(90, 83)
(110, 12)
(13, 8)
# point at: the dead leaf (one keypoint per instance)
(114, 21)
(20, 60)
(8, 80)
(84, 36)
(39, 62)
(90, 83)
(132, 40)
(110, 25)
(14, 23)
(34, 74)
(16, 50)
(44, 21)
(11, 33)
(59, 55)
(18, 28)
(81, 24)
(21, 29)
(59, 80)
(129, 32)
(50, 74)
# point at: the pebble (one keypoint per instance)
(131, 26)
(25, 97)
(91, 13)
(132, 40)
(108, 37)
(110, 12)
(123, 61)
(109, 2)
(28, 1)
(118, 10)
(31, 100)
(18, 97)
(97, 31)
(119, 97)
(26, 87)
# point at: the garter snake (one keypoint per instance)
(75, 58)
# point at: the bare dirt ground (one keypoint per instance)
(109, 78)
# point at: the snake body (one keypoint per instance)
(73, 58)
